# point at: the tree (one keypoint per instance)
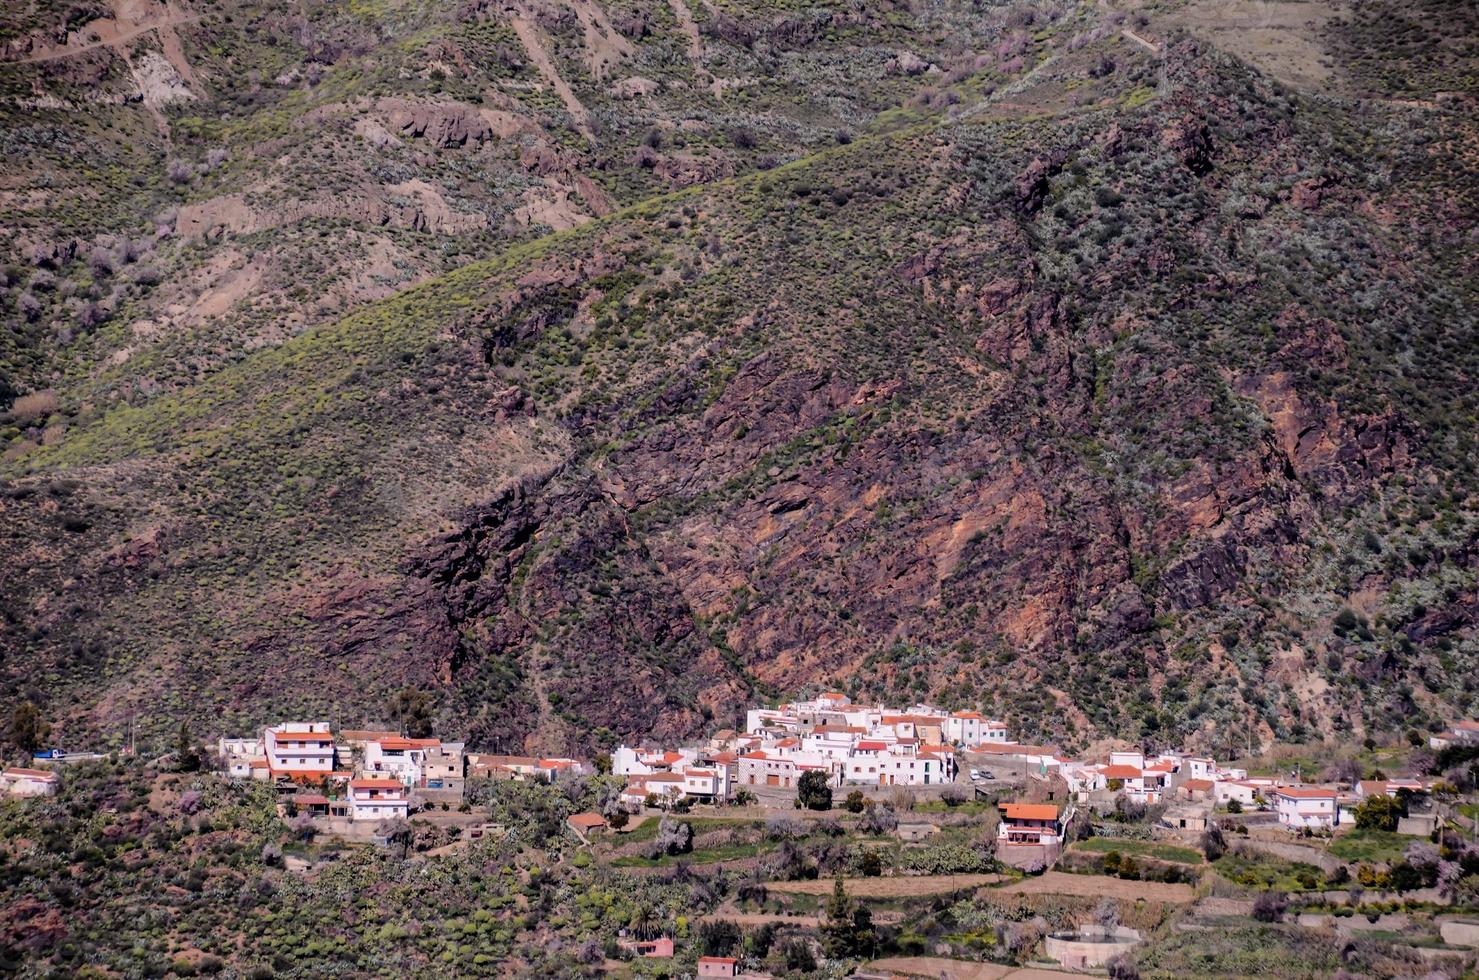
(758, 941)
(412, 710)
(847, 926)
(813, 792)
(718, 937)
(618, 819)
(855, 801)
(799, 957)
(1234, 806)
(1379, 813)
(603, 764)
(1121, 967)
(187, 757)
(1346, 771)
(28, 730)
(674, 836)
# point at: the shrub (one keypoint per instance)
(1214, 845)
(855, 801)
(1379, 813)
(1270, 907)
(879, 820)
(29, 408)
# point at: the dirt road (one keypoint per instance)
(1099, 886)
(901, 887)
(940, 968)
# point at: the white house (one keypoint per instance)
(1463, 733)
(1305, 806)
(1367, 788)
(628, 761)
(1030, 823)
(403, 758)
(1142, 785)
(377, 799)
(1244, 792)
(249, 747)
(301, 750)
(707, 785)
(667, 787)
(29, 782)
(1083, 780)
(1197, 767)
(879, 764)
(965, 728)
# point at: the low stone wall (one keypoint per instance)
(1458, 932)
(1287, 852)
(1355, 923)
(1027, 856)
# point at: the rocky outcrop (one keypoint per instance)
(414, 204)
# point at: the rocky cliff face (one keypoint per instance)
(1131, 400)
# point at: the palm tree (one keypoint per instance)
(644, 921)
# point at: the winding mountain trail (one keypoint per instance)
(689, 27)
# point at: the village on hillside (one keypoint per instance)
(924, 798)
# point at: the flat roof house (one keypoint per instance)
(718, 966)
(377, 799)
(1301, 807)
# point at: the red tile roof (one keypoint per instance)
(1029, 811)
(376, 784)
(1198, 785)
(1305, 793)
(1121, 772)
(312, 799)
(588, 821)
(871, 746)
(30, 773)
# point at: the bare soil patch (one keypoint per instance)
(1281, 37)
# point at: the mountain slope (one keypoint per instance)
(1094, 399)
